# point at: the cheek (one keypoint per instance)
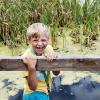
(45, 44)
(33, 45)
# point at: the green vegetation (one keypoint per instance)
(73, 24)
(79, 21)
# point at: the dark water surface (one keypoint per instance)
(85, 89)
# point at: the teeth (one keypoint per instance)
(39, 48)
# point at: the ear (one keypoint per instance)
(28, 40)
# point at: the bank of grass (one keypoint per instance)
(82, 17)
(68, 48)
(14, 51)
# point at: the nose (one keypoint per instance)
(39, 43)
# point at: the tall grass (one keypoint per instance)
(82, 19)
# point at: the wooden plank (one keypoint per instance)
(73, 63)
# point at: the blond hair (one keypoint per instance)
(37, 29)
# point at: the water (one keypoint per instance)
(85, 89)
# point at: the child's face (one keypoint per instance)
(39, 43)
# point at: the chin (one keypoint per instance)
(39, 53)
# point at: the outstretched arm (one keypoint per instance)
(31, 78)
(51, 55)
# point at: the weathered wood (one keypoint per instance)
(77, 63)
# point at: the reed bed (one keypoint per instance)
(81, 17)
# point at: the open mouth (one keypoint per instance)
(39, 50)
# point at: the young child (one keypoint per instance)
(36, 81)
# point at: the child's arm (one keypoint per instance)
(51, 55)
(31, 78)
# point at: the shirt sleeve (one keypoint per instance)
(49, 48)
(26, 53)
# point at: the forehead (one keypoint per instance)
(40, 35)
(38, 29)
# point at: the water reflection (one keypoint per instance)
(85, 89)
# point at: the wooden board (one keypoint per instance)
(64, 63)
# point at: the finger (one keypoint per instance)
(24, 59)
(52, 56)
(49, 59)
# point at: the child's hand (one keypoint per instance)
(51, 56)
(30, 61)
(56, 72)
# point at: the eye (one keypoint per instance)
(44, 40)
(35, 40)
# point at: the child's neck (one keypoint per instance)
(39, 54)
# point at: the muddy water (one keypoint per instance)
(74, 86)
